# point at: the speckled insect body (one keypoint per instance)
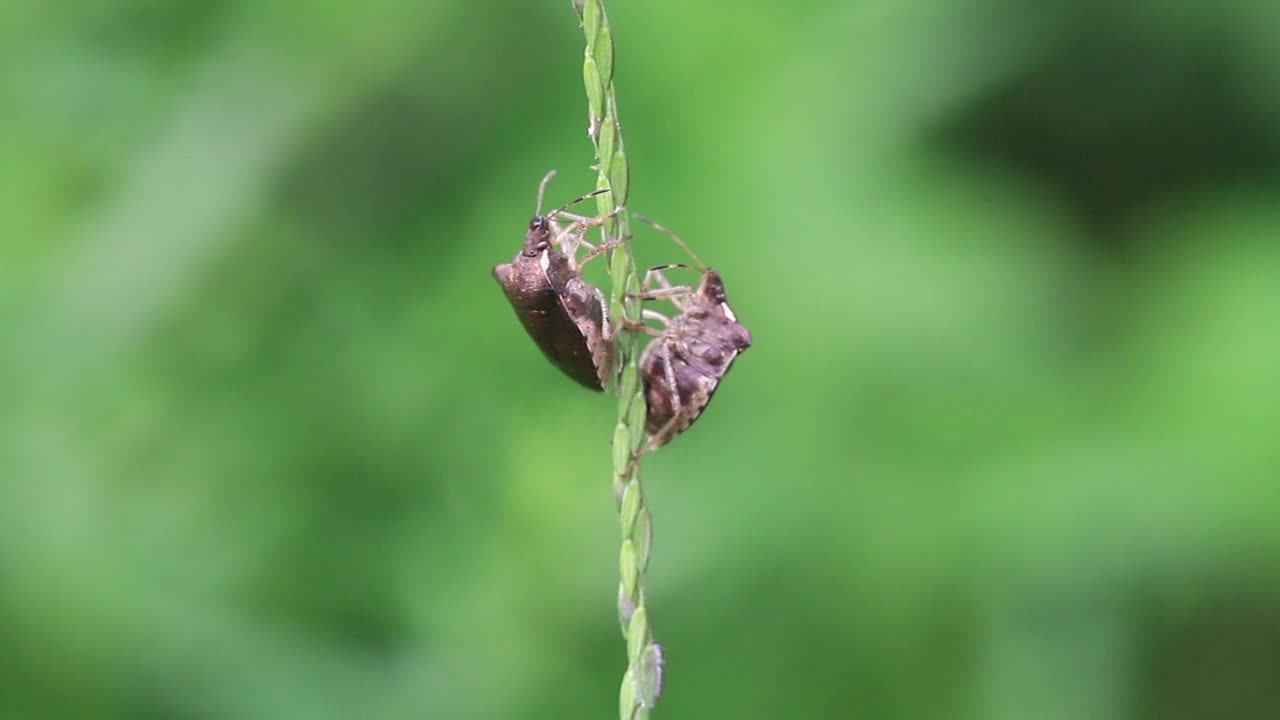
(565, 315)
(683, 365)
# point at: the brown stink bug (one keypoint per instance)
(565, 315)
(684, 363)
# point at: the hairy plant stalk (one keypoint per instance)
(642, 682)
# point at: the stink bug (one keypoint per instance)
(565, 315)
(683, 365)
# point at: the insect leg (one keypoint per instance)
(640, 327)
(676, 405)
(582, 221)
(597, 250)
(670, 292)
(572, 236)
(655, 315)
(584, 218)
(667, 290)
(606, 327)
(569, 237)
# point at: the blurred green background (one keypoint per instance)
(272, 444)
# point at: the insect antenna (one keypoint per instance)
(668, 266)
(575, 201)
(542, 189)
(669, 233)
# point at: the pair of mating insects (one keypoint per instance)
(569, 319)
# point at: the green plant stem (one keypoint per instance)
(642, 682)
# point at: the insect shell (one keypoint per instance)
(565, 315)
(683, 365)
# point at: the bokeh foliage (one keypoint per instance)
(272, 445)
